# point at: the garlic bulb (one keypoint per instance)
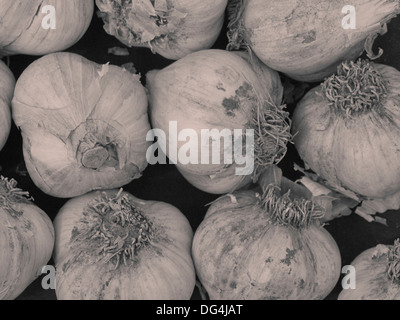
(267, 245)
(83, 124)
(111, 245)
(7, 83)
(38, 27)
(347, 131)
(26, 239)
(171, 28)
(377, 274)
(307, 40)
(209, 95)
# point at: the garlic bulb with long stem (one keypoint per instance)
(83, 125)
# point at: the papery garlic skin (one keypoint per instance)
(215, 90)
(306, 40)
(26, 240)
(83, 124)
(171, 28)
(7, 83)
(357, 147)
(29, 27)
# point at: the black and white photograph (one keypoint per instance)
(199, 154)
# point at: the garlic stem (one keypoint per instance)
(95, 145)
(94, 158)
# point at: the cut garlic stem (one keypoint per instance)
(94, 158)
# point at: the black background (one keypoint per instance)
(164, 183)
